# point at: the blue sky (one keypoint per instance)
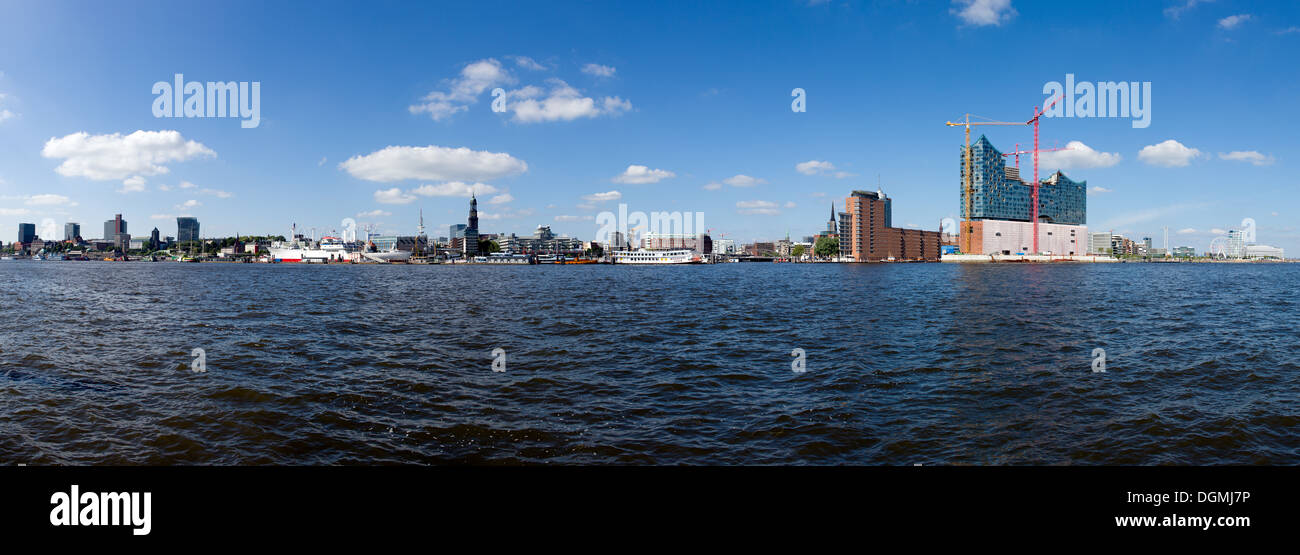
(374, 111)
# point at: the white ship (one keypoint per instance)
(301, 249)
(679, 256)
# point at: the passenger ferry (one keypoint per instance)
(679, 256)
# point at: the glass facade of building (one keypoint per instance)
(998, 196)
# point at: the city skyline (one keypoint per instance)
(671, 124)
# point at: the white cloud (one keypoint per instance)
(527, 63)
(1187, 231)
(1234, 21)
(164, 188)
(790, 204)
(393, 196)
(1288, 30)
(106, 157)
(161, 216)
(14, 211)
(638, 175)
(376, 213)
(1169, 154)
(188, 204)
(133, 184)
(813, 167)
(584, 206)
(742, 180)
(598, 70)
(474, 79)
(1218, 231)
(216, 193)
(603, 197)
(1175, 11)
(48, 199)
(187, 185)
(573, 218)
(1078, 155)
(561, 103)
(454, 189)
(712, 186)
(1098, 189)
(1251, 156)
(436, 163)
(983, 12)
(757, 207)
(501, 198)
(5, 114)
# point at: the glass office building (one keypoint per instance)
(1000, 194)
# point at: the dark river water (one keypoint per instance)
(905, 363)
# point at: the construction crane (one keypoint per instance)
(965, 236)
(1018, 152)
(1033, 201)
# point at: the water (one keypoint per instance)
(906, 363)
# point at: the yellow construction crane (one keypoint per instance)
(969, 228)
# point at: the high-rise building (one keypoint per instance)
(865, 235)
(187, 229)
(71, 231)
(1000, 193)
(26, 233)
(115, 232)
(154, 241)
(471, 229)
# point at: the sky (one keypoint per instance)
(375, 111)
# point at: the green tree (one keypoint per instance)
(827, 247)
(797, 251)
(488, 246)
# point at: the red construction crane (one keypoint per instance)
(1018, 152)
(1033, 187)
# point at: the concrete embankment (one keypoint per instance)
(988, 258)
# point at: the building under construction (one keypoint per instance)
(1000, 219)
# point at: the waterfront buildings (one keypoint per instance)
(701, 243)
(543, 241)
(187, 229)
(115, 232)
(1264, 252)
(71, 231)
(999, 194)
(865, 233)
(1099, 243)
(1184, 252)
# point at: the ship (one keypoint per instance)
(678, 256)
(328, 249)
